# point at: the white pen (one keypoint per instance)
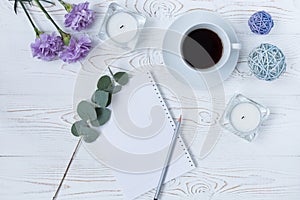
(168, 158)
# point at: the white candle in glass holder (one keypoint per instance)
(245, 117)
(122, 27)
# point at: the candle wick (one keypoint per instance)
(121, 26)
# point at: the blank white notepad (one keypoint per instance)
(135, 141)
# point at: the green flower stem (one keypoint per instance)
(47, 15)
(36, 30)
(65, 36)
(68, 7)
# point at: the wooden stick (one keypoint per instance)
(67, 169)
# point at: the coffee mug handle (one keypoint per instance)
(237, 46)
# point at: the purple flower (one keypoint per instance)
(77, 49)
(80, 17)
(47, 47)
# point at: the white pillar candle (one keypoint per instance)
(122, 27)
(245, 117)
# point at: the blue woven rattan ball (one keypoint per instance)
(267, 62)
(261, 23)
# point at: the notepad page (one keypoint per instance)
(135, 141)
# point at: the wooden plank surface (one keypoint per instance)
(36, 113)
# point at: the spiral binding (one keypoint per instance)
(163, 104)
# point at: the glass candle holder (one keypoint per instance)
(244, 117)
(121, 26)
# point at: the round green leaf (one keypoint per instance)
(77, 127)
(109, 89)
(104, 82)
(93, 97)
(101, 98)
(121, 78)
(90, 135)
(86, 111)
(75, 130)
(95, 123)
(117, 89)
(103, 115)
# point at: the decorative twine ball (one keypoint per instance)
(267, 62)
(261, 23)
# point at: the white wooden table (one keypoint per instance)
(36, 101)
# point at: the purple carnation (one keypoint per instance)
(80, 17)
(77, 49)
(47, 47)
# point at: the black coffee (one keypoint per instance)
(202, 48)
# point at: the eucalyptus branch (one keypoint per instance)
(111, 73)
(67, 169)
